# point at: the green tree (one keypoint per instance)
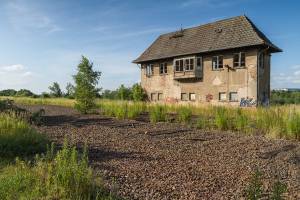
(55, 90)
(124, 93)
(70, 90)
(86, 81)
(24, 93)
(138, 93)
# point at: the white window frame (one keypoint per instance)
(240, 60)
(185, 68)
(190, 96)
(149, 70)
(164, 68)
(220, 95)
(230, 97)
(217, 66)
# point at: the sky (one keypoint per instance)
(42, 41)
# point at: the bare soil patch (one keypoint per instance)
(173, 161)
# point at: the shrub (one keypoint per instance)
(134, 110)
(17, 138)
(241, 120)
(278, 190)
(157, 113)
(138, 93)
(120, 111)
(254, 190)
(184, 114)
(86, 81)
(221, 119)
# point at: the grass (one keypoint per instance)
(31, 170)
(273, 122)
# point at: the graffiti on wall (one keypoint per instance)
(209, 97)
(247, 102)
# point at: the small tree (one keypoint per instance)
(55, 90)
(86, 81)
(70, 90)
(124, 93)
(138, 93)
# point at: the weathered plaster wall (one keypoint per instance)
(243, 80)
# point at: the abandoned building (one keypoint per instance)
(224, 62)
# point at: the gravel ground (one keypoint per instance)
(172, 161)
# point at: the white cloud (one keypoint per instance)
(15, 76)
(24, 17)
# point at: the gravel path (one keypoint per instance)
(172, 161)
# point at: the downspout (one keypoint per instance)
(257, 69)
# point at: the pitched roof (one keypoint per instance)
(220, 35)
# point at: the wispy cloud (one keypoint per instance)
(24, 17)
(288, 78)
(15, 76)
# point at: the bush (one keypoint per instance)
(67, 176)
(138, 93)
(17, 138)
(222, 119)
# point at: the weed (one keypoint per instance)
(184, 114)
(157, 113)
(254, 190)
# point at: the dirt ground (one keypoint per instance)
(141, 160)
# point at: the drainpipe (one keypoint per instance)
(257, 69)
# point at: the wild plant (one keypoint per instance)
(254, 189)
(184, 114)
(157, 113)
(221, 118)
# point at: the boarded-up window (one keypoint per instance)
(239, 59)
(233, 96)
(222, 96)
(160, 96)
(192, 96)
(184, 97)
(153, 97)
(217, 62)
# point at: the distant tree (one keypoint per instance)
(45, 95)
(138, 93)
(24, 93)
(124, 93)
(109, 94)
(55, 90)
(86, 81)
(70, 90)
(8, 92)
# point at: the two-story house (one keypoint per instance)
(224, 62)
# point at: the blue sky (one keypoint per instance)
(42, 41)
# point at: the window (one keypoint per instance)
(189, 64)
(217, 62)
(160, 96)
(192, 96)
(163, 68)
(222, 96)
(233, 96)
(184, 96)
(153, 96)
(149, 70)
(179, 65)
(261, 61)
(239, 60)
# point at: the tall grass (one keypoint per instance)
(274, 122)
(17, 138)
(66, 176)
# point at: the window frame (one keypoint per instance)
(218, 63)
(149, 70)
(239, 62)
(190, 94)
(230, 97)
(184, 67)
(160, 94)
(222, 93)
(187, 96)
(153, 94)
(163, 68)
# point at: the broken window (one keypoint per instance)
(233, 96)
(184, 96)
(149, 70)
(160, 96)
(239, 59)
(192, 96)
(153, 97)
(163, 68)
(222, 96)
(217, 62)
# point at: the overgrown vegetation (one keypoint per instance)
(285, 97)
